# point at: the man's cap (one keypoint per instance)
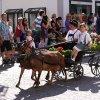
(41, 10)
(74, 23)
(3, 14)
(20, 18)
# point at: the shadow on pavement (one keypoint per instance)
(3, 91)
(85, 84)
(4, 67)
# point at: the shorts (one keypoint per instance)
(80, 47)
(6, 46)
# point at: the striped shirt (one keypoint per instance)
(38, 21)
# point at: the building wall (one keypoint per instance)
(66, 8)
(60, 7)
(0, 7)
(51, 5)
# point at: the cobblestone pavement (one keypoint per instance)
(88, 88)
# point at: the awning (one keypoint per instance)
(35, 10)
(14, 11)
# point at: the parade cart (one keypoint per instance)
(93, 62)
(74, 67)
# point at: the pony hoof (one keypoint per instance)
(65, 80)
(49, 82)
(17, 85)
(32, 78)
(36, 86)
(47, 78)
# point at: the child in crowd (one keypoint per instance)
(42, 43)
(52, 37)
(30, 40)
(84, 41)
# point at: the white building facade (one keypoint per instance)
(60, 7)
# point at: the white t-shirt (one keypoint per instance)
(84, 38)
(75, 32)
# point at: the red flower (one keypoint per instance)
(60, 48)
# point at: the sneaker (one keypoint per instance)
(4, 61)
(12, 60)
(9, 61)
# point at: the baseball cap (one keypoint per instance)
(41, 10)
(3, 14)
(20, 18)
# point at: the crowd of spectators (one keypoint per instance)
(45, 31)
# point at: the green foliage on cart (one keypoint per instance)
(95, 46)
(53, 49)
(61, 50)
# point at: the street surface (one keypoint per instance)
(88, 88)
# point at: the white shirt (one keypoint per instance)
(84, 38)
(75, 32)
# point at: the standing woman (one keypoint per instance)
(24, 29)
(11, 35)
(45, 25)
(90, 24)
(67, 22)
(53, 21)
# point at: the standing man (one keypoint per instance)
(5, 39)
(37, 27)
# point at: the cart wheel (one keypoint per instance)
(95, 66)
(90, 62)
(78, 72)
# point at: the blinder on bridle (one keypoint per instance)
(21, 47)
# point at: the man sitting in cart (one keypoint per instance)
(72, 35)
(84, 41)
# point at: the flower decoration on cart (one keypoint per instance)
(61, 50)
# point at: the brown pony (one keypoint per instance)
(38, 62)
